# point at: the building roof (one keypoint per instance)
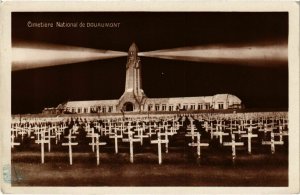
(91, 103)
(227, 97)
(231, 99)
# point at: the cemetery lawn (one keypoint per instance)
(178, 169)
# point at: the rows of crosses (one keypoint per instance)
(137, 130)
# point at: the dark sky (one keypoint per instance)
(257, 86)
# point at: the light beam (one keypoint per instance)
(30, 56)
(260, 55)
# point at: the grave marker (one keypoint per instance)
(140, 134)
(198, 144)
(13, 143)
(42, 141)
(116, 137)
(166, 134)
(233, 145)
(97, 144)
(159, 142)
(249, 135)
(70, 144)
(131, 140)
(272, 143)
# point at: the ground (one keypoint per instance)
(180, 167)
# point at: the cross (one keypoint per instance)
(70, 144)
(192, 133)
(159, 142)
(42, 141)
(260, 124)
(49, 136)
(140, 134)
(233, 145)
(207, 127)
(272, 143)
(110, 126)
(116, 136)
(75, 129)
(165, 125)
(198, 144)
(38, 133)
(231, 127)
(22, 133)
(91, 135)
(15, 131)
(281, 133)
(97, 126)
(266, 129)
(220, 134)
(97, 144)
(12, 141)
(240, 131)
(58, 133)
(166, 139)
(129, 127)
(174, 127)
(212, 131)
(249, 135)
(150, 129)
(131, 140)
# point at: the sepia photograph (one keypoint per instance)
(149, 99)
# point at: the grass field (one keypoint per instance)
(180, 168)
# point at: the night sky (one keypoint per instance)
(256, 86)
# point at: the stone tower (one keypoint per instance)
(133, 97)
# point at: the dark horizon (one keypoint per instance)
(256, 86)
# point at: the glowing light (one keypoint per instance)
(246, 55)
(27, 57)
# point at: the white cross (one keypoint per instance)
(249, 135)
(15, 131)
(38, 133)
(22, 133)
(198, 144)
(281, 133)
(97, 144)
(266, 129)
(174, 127)
(272, 143)
(75, 129)
(129, 127)
(231, 127)
(58, 133)
(151, 129)
(97, 126)
(13, 143)
(49, 136)
(220, 134)
(116, 136)
(91, 135)
(159, 142)
(192, 133)
(212, 131)
(131, 140)
(108, 131)
(240, 131)
(233, 145)
(166, 134)
(70, 144)
(140, 134)
(42, 141)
